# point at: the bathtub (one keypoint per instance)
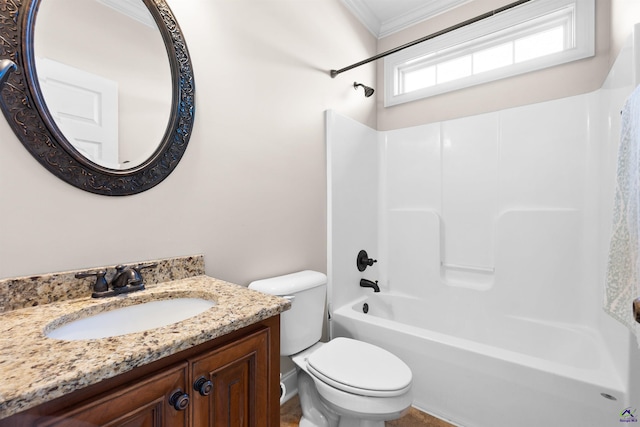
(476, 369)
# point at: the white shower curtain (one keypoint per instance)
(623, 270)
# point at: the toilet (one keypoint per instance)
(341, 383)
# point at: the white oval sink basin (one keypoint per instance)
(134, 318)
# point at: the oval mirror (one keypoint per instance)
(103, 92)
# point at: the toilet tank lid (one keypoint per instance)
(290, 283)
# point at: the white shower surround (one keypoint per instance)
(501, 218)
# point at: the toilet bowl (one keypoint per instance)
(356, 383)
(341, 383)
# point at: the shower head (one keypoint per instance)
(368, 91)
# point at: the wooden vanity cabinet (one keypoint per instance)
(232, 381)
(230, 390)
(143, 404)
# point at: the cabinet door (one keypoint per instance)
(142, 404)
(238, 393)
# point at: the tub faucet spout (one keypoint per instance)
(369, 284)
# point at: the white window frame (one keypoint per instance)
(577, 16)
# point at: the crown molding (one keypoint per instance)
(364, 15)
(414, 16)
(380, 29)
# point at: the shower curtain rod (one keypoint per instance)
(334, 73)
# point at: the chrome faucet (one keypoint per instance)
(125, 280)
(369, 284)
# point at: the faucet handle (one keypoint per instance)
(141, 266)
(101, 284)
(121, 267)
(363, 261)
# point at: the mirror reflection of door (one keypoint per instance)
(119, 41)
(85, 108)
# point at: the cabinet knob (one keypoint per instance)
(203, 386)
(179, 400)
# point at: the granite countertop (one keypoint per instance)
(35, 368)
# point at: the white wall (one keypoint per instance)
(353, 204)
(249, 192)
(495, 206)
(487, 208)
(624, 14)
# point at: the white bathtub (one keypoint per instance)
(476, 369)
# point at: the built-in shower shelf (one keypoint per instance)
(472, 268)
(467, 276)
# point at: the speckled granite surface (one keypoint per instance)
(20, 292)
(35, 369)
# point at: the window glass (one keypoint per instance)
(528, 37)
(454, 69)
(419, 78)
(492, 58)
(540, 44)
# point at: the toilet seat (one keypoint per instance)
(360, 368)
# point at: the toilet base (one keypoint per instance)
(316, 412)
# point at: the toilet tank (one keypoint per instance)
(301, 325)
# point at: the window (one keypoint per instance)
(529, 37)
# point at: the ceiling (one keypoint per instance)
(384, 17)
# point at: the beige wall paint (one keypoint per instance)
(250, 191)
(558, 82)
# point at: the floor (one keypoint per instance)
(290, 416)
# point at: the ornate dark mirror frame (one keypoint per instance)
(23, 105)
